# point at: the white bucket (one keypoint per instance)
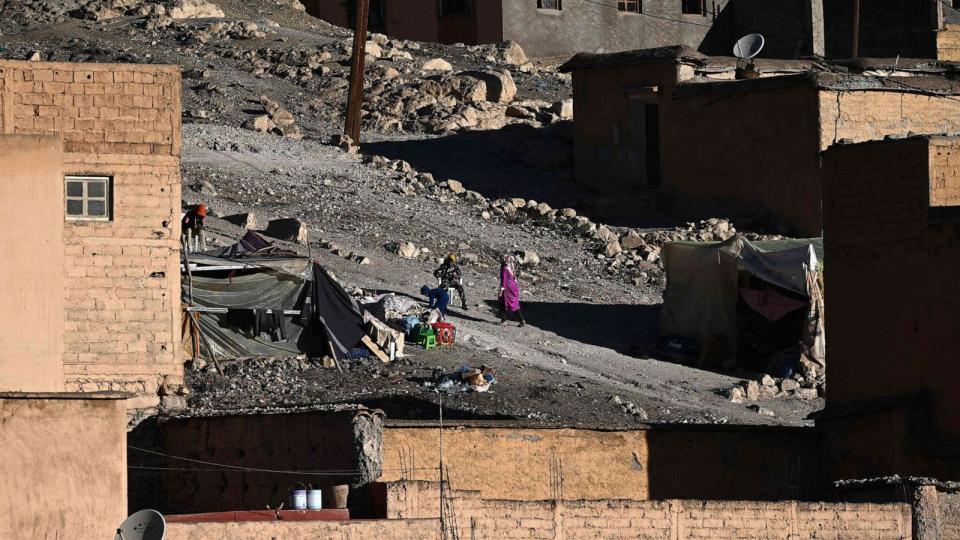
(298, 499)
(315, 499)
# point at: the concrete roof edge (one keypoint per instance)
(675, 54)
(90, 66)
(538, 425)
(910, 137)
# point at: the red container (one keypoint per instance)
(446, 333)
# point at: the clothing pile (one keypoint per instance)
(466, 379)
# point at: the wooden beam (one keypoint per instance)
(355, 96)
(856, 29)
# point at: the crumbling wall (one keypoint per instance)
(868, 115)
(538, 464)
(475, 517)
(63, 464)
(123, 281)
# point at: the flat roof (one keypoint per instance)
(274, 410)
(926, 85)
(540, 425)
(65, 395)
(659, 55)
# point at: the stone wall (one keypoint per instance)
(475, 517)
(123, 280)
(63, 464)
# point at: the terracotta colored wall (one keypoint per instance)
(31, 272)
(318, 441)
(948, 43)
(490, 518)
(745, 152)
(123, 282)
(872, 115)
(531, 464)
(63, 464)
(891, 286)
(406, 529)
(602, 131)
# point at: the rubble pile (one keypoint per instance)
(809, 383)
(275, 120)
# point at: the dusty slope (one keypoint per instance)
(585, 312)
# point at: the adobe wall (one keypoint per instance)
(858, 116)
(476, 517)
(948, 43)
(63, 464)
(347, 441)
(601, 28)
(745, 153)
(397, 529)
(536, 464)
(31, 271)
(412, 19)
(603, 133)
(123, 281)
(891, 286)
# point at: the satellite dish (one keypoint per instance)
(142, 525)
(748, 46)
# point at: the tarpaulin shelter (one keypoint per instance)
(708, 281)
(255, 299)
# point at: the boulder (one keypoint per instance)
(528, 258)
(762, 410)
(789, 385)
(736, 394)
(807, 393)
(605, 235)
(406, 250)
(247, 220)
(751, 389)
(518, 202)
(632, 240)
(568, 213)
(437, 64)
(767, 380)
(262, 123)
(372, 49)
(194, 9)
(563, 109)
(472, 90)
(511, 53)
(612, 249)
(500, 87)
(288, 229)
(456, 187)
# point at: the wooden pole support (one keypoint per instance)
(355, 97)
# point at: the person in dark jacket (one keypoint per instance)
(192, 228)
(450, 277)
(438, 298)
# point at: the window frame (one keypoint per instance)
(85, 198)
(701, 9)
(623, 6)
(467, 13)
(558, 8)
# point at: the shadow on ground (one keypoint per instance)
(515, 161)
(620, 327)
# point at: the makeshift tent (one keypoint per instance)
(714, 287)
(253, 286)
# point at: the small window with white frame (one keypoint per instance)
(630, 6)
(89, 198)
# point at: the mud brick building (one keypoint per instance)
(675, 121)
(107, 164)
(892, 232)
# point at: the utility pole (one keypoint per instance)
(856, 29)
(355, 97)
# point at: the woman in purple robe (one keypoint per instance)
(509, 291)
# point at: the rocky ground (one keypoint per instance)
(466, 149)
